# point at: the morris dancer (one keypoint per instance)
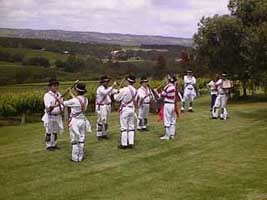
(144, 98)
(127, 96)
(52, 118)
(170, 109)
(213, 91)
(189, 91)
(78, 123)
(221, 99)
(103, 106)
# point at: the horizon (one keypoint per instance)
(96, 32)
(174, 18)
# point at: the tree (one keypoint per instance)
(254, 19)
(236, 43)
(160, 67)
(218, 42)
(250, 12)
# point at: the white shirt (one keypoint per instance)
(50, 99)
(213, 88)
(145, 96)
(127, 96)
(169, 93)
(189, 82)
(103, 95)
(219, 85)
(76, 107)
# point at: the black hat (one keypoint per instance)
(53, 82)
(172, 78)
(224, 74)
(189, 71)
(104, 79)
(81, 88)
(130, 79)
(143, 80)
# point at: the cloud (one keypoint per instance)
(151, 17)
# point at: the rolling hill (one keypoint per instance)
(95, 37)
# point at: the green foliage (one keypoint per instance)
(218, 44)
(10, 56)
(96, 50)
(30, 100)
(12, 104)
(37, 61)
(251, 12)
(236, 43)
(13, 73)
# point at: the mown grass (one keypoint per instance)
(207, 160)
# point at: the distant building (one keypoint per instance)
(118, 54)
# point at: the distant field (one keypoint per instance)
(52, 56)
(11, 73)
(41, 86)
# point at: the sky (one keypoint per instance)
(176, 18)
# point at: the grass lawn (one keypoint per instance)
(208, 160)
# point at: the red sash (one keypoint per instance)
(131, 100)
(147, 94)
(57, 100)
(82, 109)
(104, 98)
(176, 109)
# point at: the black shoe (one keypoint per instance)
(213, 118)
(50, 149)
(122, 147)
(145, 129)
(99, 138)
(221, 118)
(73, 161)
(105, 137)
(190, 111)
(56, 148)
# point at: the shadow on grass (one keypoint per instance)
(250, 99)
(256, 114)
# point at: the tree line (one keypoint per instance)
(235, 43)
(96, 50)
(19, 57)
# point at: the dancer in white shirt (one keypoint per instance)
(103, 106)
(52, 118)
(127, 96)
(189, 91)
(78, 123)
(144, 97)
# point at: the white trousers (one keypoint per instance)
(220, 104)
(53, 125)
(77, 130)
(127, 122)
(189, 94)
(143, 112)
(169, 116)
(103, 113)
